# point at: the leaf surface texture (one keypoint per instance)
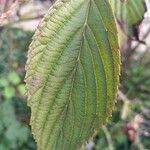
(72, 73)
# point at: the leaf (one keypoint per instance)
(13, 133)
(130, 12)
(14, 78)
(3, 82)
(21, 89)
(72, 73)
(9, 92)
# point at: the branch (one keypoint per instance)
(108, 137)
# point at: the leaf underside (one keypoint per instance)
(72, 73)
(129, 12)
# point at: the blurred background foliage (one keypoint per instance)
(15, 133)
(129, 126)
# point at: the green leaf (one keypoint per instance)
(13, 133)
(3, 82)
(17, 134)
(21, 89)
(72, 73)
(14, 78)
(9, 92)
(129, 12)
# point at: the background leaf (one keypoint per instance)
(129, 12)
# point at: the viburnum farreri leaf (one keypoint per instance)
(72, 73)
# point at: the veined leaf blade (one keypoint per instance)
(72, 73)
